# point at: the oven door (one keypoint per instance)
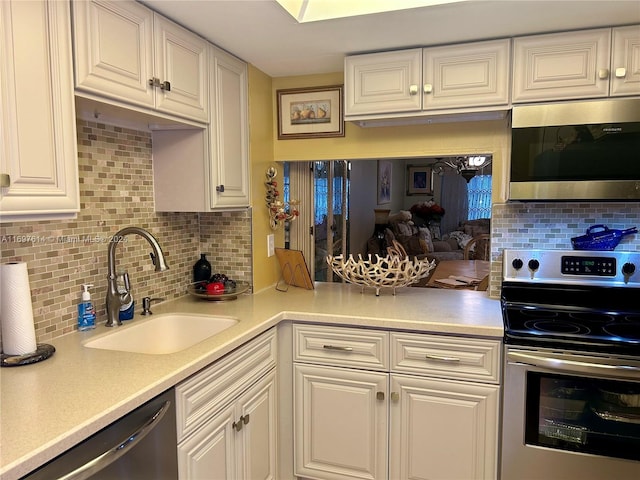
(569, 415)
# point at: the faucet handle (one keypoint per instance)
(146, 304)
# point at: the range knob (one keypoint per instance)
(628, 269)
(533, 264)
(517, 263)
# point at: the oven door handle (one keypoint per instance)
(563, 365)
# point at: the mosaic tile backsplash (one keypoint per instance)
(551, 225)
(116, 190)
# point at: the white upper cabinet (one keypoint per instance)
(577, 65)
(229, 131)
(412, 82)
(625, 61)
(201, 170)
(383, 82)
(129, 54)
(38, 155)
(468, 75)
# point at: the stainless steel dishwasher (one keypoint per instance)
(141, 445)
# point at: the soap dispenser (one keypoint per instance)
(86, 310)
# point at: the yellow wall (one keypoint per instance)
(403, 141)
(266, 270)
(398, 141)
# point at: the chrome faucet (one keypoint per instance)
(116, 299)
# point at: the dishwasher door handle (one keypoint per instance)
(112, 454)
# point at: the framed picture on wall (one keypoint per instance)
(310, 112)
(419, 181)
(385, 169)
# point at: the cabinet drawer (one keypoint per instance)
(203, 394)
(446, 357)
(341, 346)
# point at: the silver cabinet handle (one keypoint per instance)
(428, 88)
(111, 455)
(338, 347)
(220, 188)
(243, 420)
(395, 396)
(379, 395)
(442, 358)
(413, 89)
(603, 73)
(5, 180)
(166, 86)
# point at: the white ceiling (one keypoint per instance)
(265, 35)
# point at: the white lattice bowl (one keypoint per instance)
(392, 271)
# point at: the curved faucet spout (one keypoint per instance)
(114, 298)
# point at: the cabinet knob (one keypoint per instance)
(243, 420)
(603, 73)
(621, 72)
(5, 180)
(379, 395)
(220, 188)
(154, 82)
(413, 89)
(428, 88)
(166, 86)
(395, 396)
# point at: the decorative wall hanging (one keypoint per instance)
(385, 169)
(419, 180)
(310, 112)
(279, 210)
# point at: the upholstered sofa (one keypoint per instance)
(418, 241)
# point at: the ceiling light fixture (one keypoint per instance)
(317, 10)
(466, 167)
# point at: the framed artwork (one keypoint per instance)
(385, 169)
(419, 181)
(310, 112)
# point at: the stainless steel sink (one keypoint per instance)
(162, 333)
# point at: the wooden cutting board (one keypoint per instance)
(294, 268)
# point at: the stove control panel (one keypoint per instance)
(601, 266)
(572, 266)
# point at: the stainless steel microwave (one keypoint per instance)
(588, 150)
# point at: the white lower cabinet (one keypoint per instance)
(227, 416)
(442, 429)
(419, 407)
(340, 423)
(236, 443)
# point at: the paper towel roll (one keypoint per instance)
(16, 313)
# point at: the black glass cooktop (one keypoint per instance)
(579, 317)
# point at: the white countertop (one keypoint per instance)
(50, 406)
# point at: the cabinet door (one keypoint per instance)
(257, 451)
(562, 66)
(211, 451)
(114, 50)
(467, 75)
(383, 82)
(442, 429)
(229, 130)
(340, 423)
(37, 114)
(625, 61)
(181, 60)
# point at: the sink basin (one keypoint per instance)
(162, 334)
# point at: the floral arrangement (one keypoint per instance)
(429, 210)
